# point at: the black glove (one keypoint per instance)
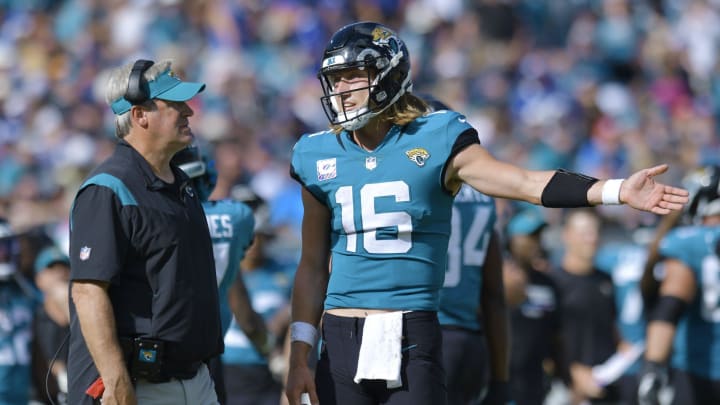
(498, 393)
(654, 384)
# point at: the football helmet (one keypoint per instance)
(260, 207)
(375, 49)
(704, 188)
(9, 250)
(199, 168)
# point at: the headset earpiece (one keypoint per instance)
(137, 90)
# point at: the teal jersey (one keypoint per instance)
(231, 225)
(696, 347)
(473, 220)
(269, 288)
(625, 262)
(16, 314)
(390, 213)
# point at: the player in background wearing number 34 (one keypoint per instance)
(378, 189)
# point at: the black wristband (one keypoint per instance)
(667, 309)
(567, 190)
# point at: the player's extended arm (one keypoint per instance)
(251, 323)
(477, 167)
(496, 324)
(308, 295)
(676, 291)
(97, 322)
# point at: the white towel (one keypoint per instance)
(380, 355)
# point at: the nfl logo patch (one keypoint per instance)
(326, 169)
(85, 253)
(370, 163)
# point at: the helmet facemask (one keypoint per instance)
(332, 101)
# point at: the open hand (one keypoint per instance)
(642, 192)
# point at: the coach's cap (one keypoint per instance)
(49, 257)
(526, 222)
(166, 86)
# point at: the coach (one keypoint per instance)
(144, 303)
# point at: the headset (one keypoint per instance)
(138, 91)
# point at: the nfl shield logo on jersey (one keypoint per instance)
(326, 169)
(370, 163)
(85, 253)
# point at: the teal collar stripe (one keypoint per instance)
(114, 184)
(166, 86)
(111, 182)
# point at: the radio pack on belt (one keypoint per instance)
(144, 357)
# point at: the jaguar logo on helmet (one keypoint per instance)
(380, 34)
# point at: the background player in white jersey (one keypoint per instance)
(684, 323)
(231, 225)
(377, 196)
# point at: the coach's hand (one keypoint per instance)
(119, 391)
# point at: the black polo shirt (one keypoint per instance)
(150, 241)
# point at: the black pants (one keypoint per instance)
(423, 379)
(465, 360)
(251, 385)
(216, 373)
(691, 389)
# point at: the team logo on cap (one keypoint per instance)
(418, 155)
(85, 253)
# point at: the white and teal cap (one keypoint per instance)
(166, 86)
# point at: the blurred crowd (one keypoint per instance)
(604, 87)
(599, 86)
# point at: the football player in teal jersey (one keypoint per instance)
(18, 300)
(268, 282)
(378, 189)
(231, 225)
(684, 322)
(472, 311)
(624, 262)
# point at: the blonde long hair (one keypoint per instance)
(405, 110)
